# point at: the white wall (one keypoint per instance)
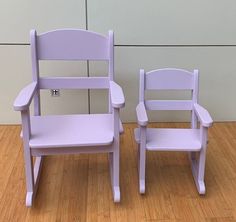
(148, 34)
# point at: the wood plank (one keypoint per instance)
(74, 189)
(105, 196)
(10, 146)
(12, 201)
(92, 199)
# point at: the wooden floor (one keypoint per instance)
(77, 188)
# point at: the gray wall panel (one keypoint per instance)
(165, 22)
(18, 17)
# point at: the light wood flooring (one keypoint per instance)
(77, 187)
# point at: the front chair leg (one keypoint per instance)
(198, 170)
(114, 173)
(201, 172)
(32, 176)
(29, 177)
(142, 163)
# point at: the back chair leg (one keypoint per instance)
(37, 171)
(111, 167)
(142, 163)
(192, 155)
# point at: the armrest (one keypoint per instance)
(203, 115)
(25, 96)
(117, 95)
(141, 114)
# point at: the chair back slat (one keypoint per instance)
(166, 79)
(74, 83)
(169, 104)
(72, 44)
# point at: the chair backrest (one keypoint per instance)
(169, 79)
(71, 44)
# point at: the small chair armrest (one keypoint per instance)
(141, 114)
(25, 96)
(203, 115)
(117, 95)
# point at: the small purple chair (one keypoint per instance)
(193, 140)
(70, 134)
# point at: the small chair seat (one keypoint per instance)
(71, 130)
(171, 139)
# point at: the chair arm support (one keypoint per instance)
(141, 114)
(203, 115)
(25, 96)
(117, 95)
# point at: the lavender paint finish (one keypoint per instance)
(68, 134)
(193, 140)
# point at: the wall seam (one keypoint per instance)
(137, 45)
(86, 26)
(171, 45)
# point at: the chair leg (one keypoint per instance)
(138, 155)
(198, 170)
(201, 171)
(32, 176)
(37, 171)
(142, 163)
(192, 155)
(114, 172)
(29, 177)
(111, 168)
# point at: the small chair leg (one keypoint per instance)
(110, 157)
(138, 155)
(142, 163)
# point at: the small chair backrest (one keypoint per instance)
(169, 79)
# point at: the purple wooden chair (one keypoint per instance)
(193, 140)
(69, 134)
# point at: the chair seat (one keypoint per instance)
(71, 130)
(171, 139)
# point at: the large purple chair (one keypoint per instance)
(69, 134)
